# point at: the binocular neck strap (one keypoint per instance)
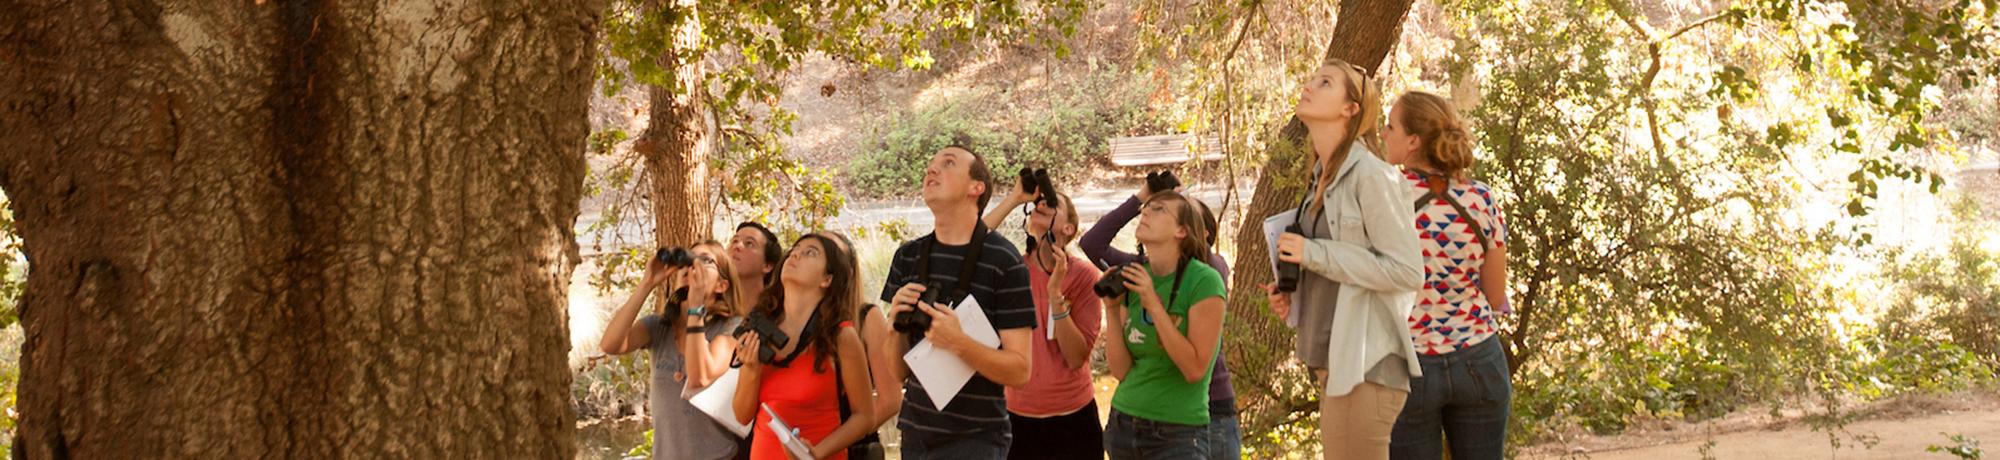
(800, 342)
(965, 272)
(1174, 295)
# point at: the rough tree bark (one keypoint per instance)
(295, 229)
(1364, 32)
(676, 143)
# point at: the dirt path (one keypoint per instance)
(1901, 429)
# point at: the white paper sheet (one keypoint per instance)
(795, 446)
(717, 401)
(1273, 227)
(942, 373)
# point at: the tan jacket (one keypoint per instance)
(1378, 264)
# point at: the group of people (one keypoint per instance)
(1402, 274)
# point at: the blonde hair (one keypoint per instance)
(1365, 126)
(1445, 143)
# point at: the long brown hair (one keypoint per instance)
(853, 266)
(1186, 215)
(836, 305)
(1444, 141)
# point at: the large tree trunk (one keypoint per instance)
(676, 142)
(295, 229)
(1365, 32)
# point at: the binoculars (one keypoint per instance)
(774, 338)
(916, 322)
(1288, 273)
(1036, 181)
(1113, 282)
(674, 257)
(1162, 180)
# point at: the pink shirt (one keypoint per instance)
(1053, 388)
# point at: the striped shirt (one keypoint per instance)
(1001, 284)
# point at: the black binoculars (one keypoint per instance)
(1162, 180)
(1113, 282)
(916, 322)
(1036, 181)
(674, 257)
(1288, 273)
(774, 338)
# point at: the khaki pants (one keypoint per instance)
(1357, 425)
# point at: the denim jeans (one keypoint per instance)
(1462, 399)
(1127, 437)
(918, 445)
(1224, 439)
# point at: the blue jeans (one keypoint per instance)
(1462, 399)
(919, 445)
(1224, 439)
(1128, 437)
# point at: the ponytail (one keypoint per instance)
(1446, 144)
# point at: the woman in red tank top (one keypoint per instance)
(801, 380)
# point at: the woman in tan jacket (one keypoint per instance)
(1361, 264)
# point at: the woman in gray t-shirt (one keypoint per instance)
(690, 346)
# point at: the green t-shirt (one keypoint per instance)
(1154, 389)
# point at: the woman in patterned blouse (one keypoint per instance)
(1464, 392)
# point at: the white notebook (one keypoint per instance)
(796, 446)
(942, 373)
(718, 402)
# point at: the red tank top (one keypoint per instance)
(806, 400)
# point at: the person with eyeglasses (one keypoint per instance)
(1360, 262)
(1166, 330)
(689, 340)
(1224, 437)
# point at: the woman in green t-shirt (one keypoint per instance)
(1160, 409)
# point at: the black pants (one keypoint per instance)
(1073, 436)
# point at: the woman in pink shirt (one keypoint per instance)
(1054, 416)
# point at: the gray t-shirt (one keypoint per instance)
(1318, 299)
(680, 431)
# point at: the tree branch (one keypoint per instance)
(1653, 45)
(1695, 25)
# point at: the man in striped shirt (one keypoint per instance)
(957, 185)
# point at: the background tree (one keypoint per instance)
(1210, 38)
(295, 229)
(1656, 162)
(715, 70)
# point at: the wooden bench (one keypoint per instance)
(1161, 149)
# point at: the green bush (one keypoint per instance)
(1952, 297)
(1068, 135)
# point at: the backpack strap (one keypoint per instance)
(1439, 190)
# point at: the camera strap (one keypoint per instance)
(1173, 293)
(965, 273)
(799, 343)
